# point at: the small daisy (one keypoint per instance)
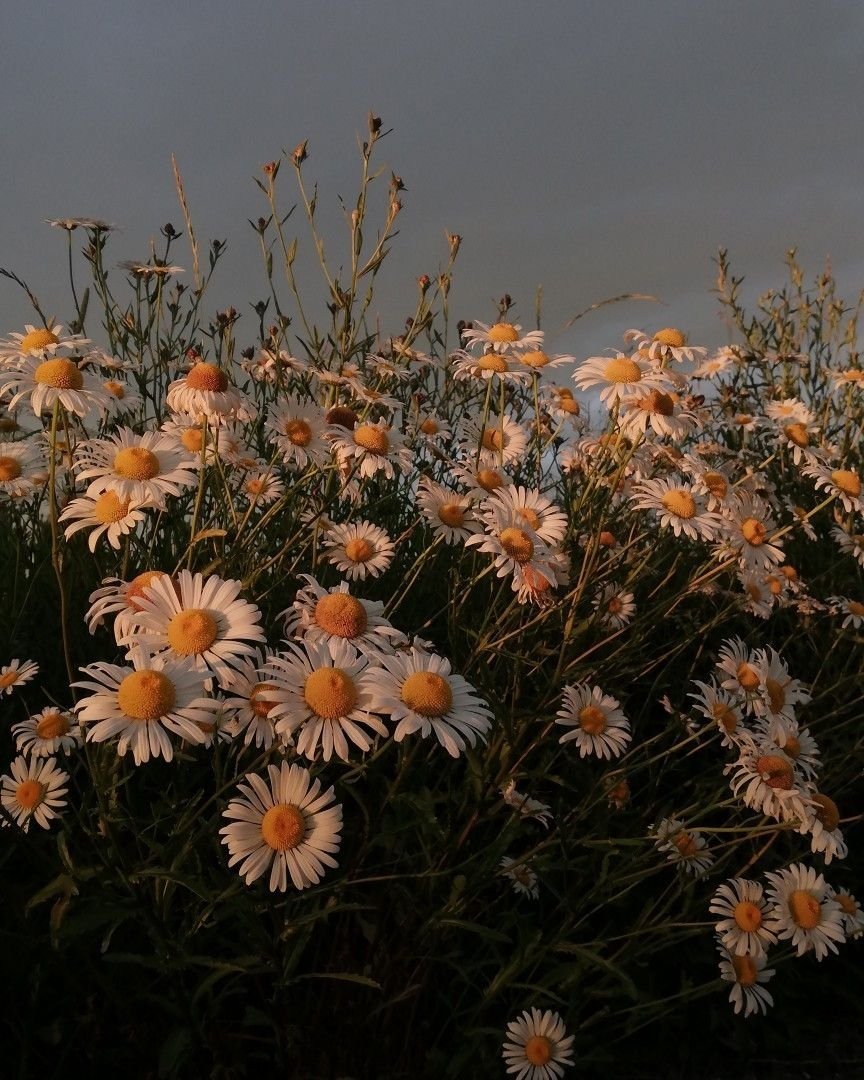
(252, 693)
(851, 912)
(747, 973)
(778, 693)
(119, 397)
(46, 382)
(658, 409)
(845, 484)
(741, 667)
(537, 1047)
(614, 606)
(206, 391)
(851, 610)
(298, 429)
(419, 692)
(108, 515)
(561, 404)
(500, 441)
(525, 806)
(743, 910)
(532, 585)
(599, 726)
(746, 529)
(669, 343)
(684, 847)
(15, 674)
(371, 448)
(22, 466)
(285, 824)
(847, 377)
(142, 703)
(516, 548)
(429, 428)
(803, 910)
(319, 615)
(262, 488)
(678, 506)
(796, 743)
(142, 468)
(449, 514)
(48, 732)
(33, 790)
(359, 550)
(489, 365)
(482, 481)
(38, 341)
(502, 337)
(724, 359)
(538, 360)
(619, 375)
(520, 874)
(851, 543)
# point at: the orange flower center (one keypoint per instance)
(491, 361)
(592, 720)
(193, 439)
(776, 771)
(716, 483)
(847, 481)
(10, 468)
(283, 827)
(500, 332)
(686, 844)
(115, 389)
(494, 439)
(38, 339)
(747, 676)
(529, 516)
(489, 479)
(136, 463)
(669, 335)
(359, 550)
(427, 693)
(797, 434)
(429, 427)
(826, 811)
(341, 416)
(330, 693)
(855, 608)
(753, 531)
(206, 376)
(146, 695)
(776, 694)
(371, 438)
(192, 632)
(29, 794)
(298, 432)
(535, 359)
(452, 514)
(725, 716)
(621, 369)
(52, 725)
(62, 374)
(538, 1050)
(109, 508)
(680, 503)
(745, 970)
(258, 702)
(847, 904)
(805, 909)
(517, 544)
(747, 916)
(138, 584)
(657, 402)
(607, 539)
(341, 615)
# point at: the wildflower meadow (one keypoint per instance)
(422, 700)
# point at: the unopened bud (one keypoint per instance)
(298, 154)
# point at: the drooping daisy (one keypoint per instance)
(359, 550)
(285, 824)
(597, 721)
(420, 693)
(203, 620)
(330, 702)
(142, 703)
(561, 404)
(142, 468)
(319, 614)
(541, 514)
(803, 911)
(205, 390)
(614, 606)
(537, 1046)
(740, 665)
(48, 732)
(823, 825)
(678, 507)
(534, 586)
(21, 468)
(47, 382)
(298, 429)
(747, 974)
(501, 337)
(371, 448)
(682, 846)
(845, 484)
(526, 806)
(450, 514)
(796, 743)
(108, 514)
(33, 791)
(765, 781)
(521, 875)
(16, 673)
(119, 598)
(744, 910)
(619, 375)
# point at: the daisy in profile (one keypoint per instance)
(783, 733)
(778, 692)
(16, 673)
(614, 606)
(803, 911)
(39, 341)
(659, 410)
(107, 515)
(721, 706)
(678, 506)
(321, 615)
(297, 428)
(252, 692)
(687, 848)
(359, 550)
(561, 404)
(119, 598)
(740, 665)
(851, 610)
(429, 428)
(522, 877)
(619, 375)
(722, 361)
(501, 337)
(597, 722)
(371, 448)
(670, 343)
(533, 586)
(204, 621)
(525, 806)
(420, 693)
(744, 912)
(823, 825)
(141, 468)
(844, 484)
(329, 703)
(143, 702)
(48, 732)
(46, 382)
(33, 791)
(284, 824)
(537, 360)
(450, 515)
(747, 974)
(850, 542)
(482, 480)
(848, 377)
(489, 365)
(537, 1046)
(21, 468)
(119, 397)
(205, 391)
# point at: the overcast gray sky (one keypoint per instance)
(591, 147)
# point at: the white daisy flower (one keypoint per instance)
(48, 732)
(614, 606)
(39, 341)
(678, 507)
(561, 404)
(359, 550)
(851, 543)
(483, 480)
(47, 382)
(722, 360)
(660, 410)
(746, 529)
(845, 484)
(429, 428)
(16, 673)
(419, 692)
(851, 912)
(537, 1046)
(22, 468)
(850, 377)
(206, 391)
(500, 441)
(319, 614)
(108, 515)
(744, 910)
(525, 806)
(371, 448)
(285, 824)
(120, 397)
(120, 598)
(823, 825)
(803, 910)
(262, 487)
(538, 360)
(516, 548)
(851, 610)
(778, 692)
(599, 725)
(141, 468)
(766, 781)
(619, 375)
(541, 514)
(298, 430)
(489, 365)
(747, 973)
(669, 343)
(502, 337)
(740, 665)
(449, 514)
(521, 875)
(796, 743)
(684, 847)
(33, 791)
(252, 692)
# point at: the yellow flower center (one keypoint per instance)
(853, 375)
(776, 695)
(535, 359)
(207, 377)
(716, 484)
(341, 615)
(827, 811)
(500, 332)
(146, 695)
(530, 517)
(797, 433)
(255, 485)
(427, 693)
(330, 693)
(283, 827)
(359, 550)
(680, 503)
(109, 508)
(10, 468)
(192, 438)
(745, 970)
(847, 904)
(137, 586)
(686, 844)
(491, 361)
(776, 771)
(517, 544)
(29, 794)
(136, 463)
(592, 720)
(52, 725)
(494, 439)
(298, 432)
(258, 702)
(452, 514)
(538, 1050)
(669, 335)
(569, 406)
(429, 427)
(62, 374)
(753, 531)
(775, 585)
(622, 369)
(725, 716)
(848, 482)
(747, 916)
(371, 438)
(192, 632)
(115, 389)
(489, 479)
(38, 339)
(805, 909)
(657, 402)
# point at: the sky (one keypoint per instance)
(591, 148)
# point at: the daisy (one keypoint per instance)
(852, 610)
(516, 548)
(685, 847)
(15, 674)
(845, 484)
(39, 341)
(525, 805)
(823, 825)
(789, 410)
(429, 428)
(273, 366)
(483, 480)
(142, 703)
(766, 782)
(141, 468)
(298, 429)
(614, 606)
(678, 506)
(846, 377)
(502, 337)
(48, 732)
(851, 912)
(284, 824)
(120, 598)
(449, 513)
(321, 615)
(107, 515)
(148, 270)
(119, 397)
(537, 1047)
(57, 380)
(561, 404)
(21, 469)
(206, 391)
(746, 529)
(851, 543)
(202, 620)
(744, 911)
(760, 598)
(330, 698)
(359, 550)
(262, 488)
(803, 910)
(371, 448)
(419, 692)
(619, 375)
(538, 360)
(779, 693)
(747, 973)
(669, 343)
(71, 224)
(500, 441)
(542, 515)
(599, 726)
(740, 665)
(521, 876)
(715, 365)
(490, 365)
(252, 693)
(33, 790)
(658, 409)
(796, 743)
